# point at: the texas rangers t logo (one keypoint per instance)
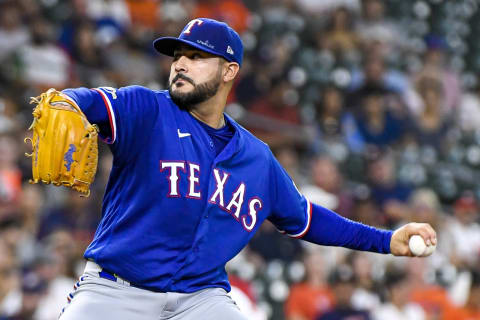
(191, 24)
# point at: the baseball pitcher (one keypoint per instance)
(188, 189)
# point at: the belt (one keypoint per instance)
(105, 274)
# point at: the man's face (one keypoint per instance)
(195, 76)
(343, 293)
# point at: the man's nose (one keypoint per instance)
(181, 64)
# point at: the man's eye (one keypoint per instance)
(196, 56)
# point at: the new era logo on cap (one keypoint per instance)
(207, 35)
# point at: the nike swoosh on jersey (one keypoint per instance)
(182, 134)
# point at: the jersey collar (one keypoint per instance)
(235, 144)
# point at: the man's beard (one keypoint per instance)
(200, 92)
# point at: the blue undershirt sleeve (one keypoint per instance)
(330, 229)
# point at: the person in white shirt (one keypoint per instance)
(397, 305)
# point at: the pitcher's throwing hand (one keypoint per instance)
(401, 237)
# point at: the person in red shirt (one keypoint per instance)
(275, 117)
(471, 310)
(10, 176)
(433, 298)
(313, 297)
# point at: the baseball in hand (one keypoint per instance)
(419, 248)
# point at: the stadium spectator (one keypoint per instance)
(270, 245)
(425, 206)
(377, 29)
(10, 293)
(332, 120)
(9, 121)
(340, 37)
(378, 121)
(471, 310)
(109, 11)
(10, 176)
(430, 126)
(435, 66)
(365, 296)
(44, 63)
(374, 71)
(54, 269)
(365, 209)
(13, 34)
(469, 109)
(397, 305)
(312, 297)
(327, 187)
(342, 281)
(288, 157)
(277, 113)
(90, 58)
(390, 195)
(33, 289)
(32, 201)
(433, 298)
(75, 215)
(461, 229)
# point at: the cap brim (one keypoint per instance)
(167, 46)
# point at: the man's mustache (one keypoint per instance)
(183, 77)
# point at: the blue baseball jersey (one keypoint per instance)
(176, 210)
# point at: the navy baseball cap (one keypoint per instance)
(207, 35)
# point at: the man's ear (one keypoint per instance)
(230, 71)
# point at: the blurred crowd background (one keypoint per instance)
(372, 106)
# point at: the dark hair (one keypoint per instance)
(394, 276)
(10, 221)
(476, 278)
(331, 19)
(342, 274)
(372, 89)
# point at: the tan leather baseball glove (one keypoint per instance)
(64, 143)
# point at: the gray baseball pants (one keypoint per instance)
(96, 298)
